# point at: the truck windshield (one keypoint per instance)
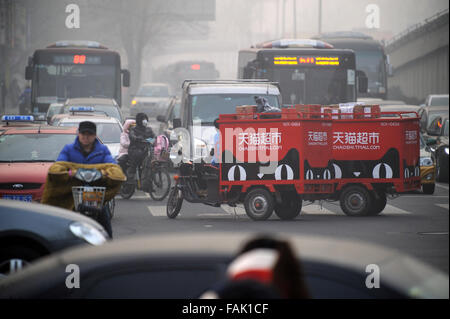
(57, 82)
(207, 107)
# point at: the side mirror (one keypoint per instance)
(125, 77)
(161, 118)
(28, 73)
(363, 82)
(176, 123)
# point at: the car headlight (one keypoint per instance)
(426, 161)
(200, 148)
(88, 233)
(446, 150)
(133, 102)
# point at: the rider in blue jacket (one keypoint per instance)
(86, 149)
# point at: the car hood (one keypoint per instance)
(113, 148)
(24, 172)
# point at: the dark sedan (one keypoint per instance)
(438, 140)
(186, 265)
(29, 231)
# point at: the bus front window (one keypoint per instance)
(60, 82)
(372, 63)
(314, 86)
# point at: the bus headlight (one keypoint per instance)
(426, 161)
(134, 102)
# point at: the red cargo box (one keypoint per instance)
(245, 111)
(299, 150)
(382, 150)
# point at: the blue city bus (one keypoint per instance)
(308, 71)
(74, 69)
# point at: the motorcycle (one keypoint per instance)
(89, 199)
(85, 188)
(152, 176)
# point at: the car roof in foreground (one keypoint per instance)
(399, 271)
(13, 206)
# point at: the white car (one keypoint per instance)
(108, 128)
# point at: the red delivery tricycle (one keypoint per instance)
(271, 164)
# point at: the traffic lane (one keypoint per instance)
(415, 224)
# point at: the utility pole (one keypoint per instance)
(320, 16)
(282, 18)
(295, 20)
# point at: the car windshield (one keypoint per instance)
(434, 115)
(52, 110)
(107, 132)
(445, 131)
(439, 101)
(32, 147)
(207, 107)
(109, 110)
(153, 91)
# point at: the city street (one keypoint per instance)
(414, 224)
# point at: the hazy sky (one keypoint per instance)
(240, 23)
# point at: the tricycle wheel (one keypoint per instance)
(174, 202)
(290, 207)
(377, 204)
(355, 200)
(259, 204)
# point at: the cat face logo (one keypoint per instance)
(240, 172)
(382, 170)
(284, 172)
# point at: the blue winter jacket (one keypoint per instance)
(73, 153)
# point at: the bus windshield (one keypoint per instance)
(372, 63)
(315, 86)
(58, 82)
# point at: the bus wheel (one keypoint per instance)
(290, 207)
(377, 204)
(355, 200)
(259, 204)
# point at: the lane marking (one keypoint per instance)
(157, 211)
(315, 210)
(392, 210)
(441, 186)
(445, 206)
(422, 196)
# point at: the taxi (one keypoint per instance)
(8, 121)
(109, 128)
(26, 153)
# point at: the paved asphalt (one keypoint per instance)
(415, 224)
